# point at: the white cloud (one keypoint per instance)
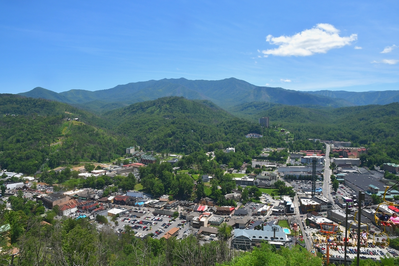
(388, 49)
(386, 61)
(358, 48)
(319, 39)
(285, 80)
(390, 61)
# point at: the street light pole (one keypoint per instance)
(346, 230)
(361, 198)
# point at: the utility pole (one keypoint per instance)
(361, 198)
(346, 230)
(314, 176)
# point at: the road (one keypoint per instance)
(327, 175)
(308, 242)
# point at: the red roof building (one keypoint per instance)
(68, 207)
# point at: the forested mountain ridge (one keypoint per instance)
(175, 124)
(36, 134)
(362, 98)
(225, 93)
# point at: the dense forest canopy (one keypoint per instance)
(35, 133)
(372, 126)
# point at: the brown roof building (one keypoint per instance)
(172, 232)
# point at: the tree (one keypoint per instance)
(335, 185)
(175, 215)
(16, 219)
(224, 231)
(89, 167)
(376, 199)
(56, 209)
(200, 191)
(3, 190)
(101, 219)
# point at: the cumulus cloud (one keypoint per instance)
(388, 49)
(390, 61)
(358, 47)
(386, 61)
(319, 39)
(285, 80)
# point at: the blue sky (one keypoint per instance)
(299, 45)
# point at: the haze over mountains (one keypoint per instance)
(226, 93)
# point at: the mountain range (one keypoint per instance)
(226, 93)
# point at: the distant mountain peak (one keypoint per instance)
(225, 93)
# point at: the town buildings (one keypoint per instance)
(245, 239)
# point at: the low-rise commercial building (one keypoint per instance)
(67, 208)
(391, 167)
(115, 211)
(54, 199)
(347, 161)
(172, 232)
(244, 181)
(245, 239)
(224, 210)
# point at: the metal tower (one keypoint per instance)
(314, 176)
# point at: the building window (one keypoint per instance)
(260, 237)
(281, 238)
(254, 237)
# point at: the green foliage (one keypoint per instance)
(266, 255)
(372, 126)
(280, 157)
(376, 199)
(283, 189)
(224, 231)
(175, 124)
(158, 179)
(89, 167)
(101, 219)
(28, 207)
(335, 185)
(34, 135)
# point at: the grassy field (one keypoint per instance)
(238, 175)
(138, 187)
(284, 224)
(182, 172)
(195, 177)
(269, 191)
(208, 191)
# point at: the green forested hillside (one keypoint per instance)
(175, 124)
(34, 133)
(373, 126)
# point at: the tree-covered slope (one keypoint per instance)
(176, 124)
(373, 126)
(36, 133)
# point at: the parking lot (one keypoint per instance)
(305, 185)
(148, 223)
(370, 252)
